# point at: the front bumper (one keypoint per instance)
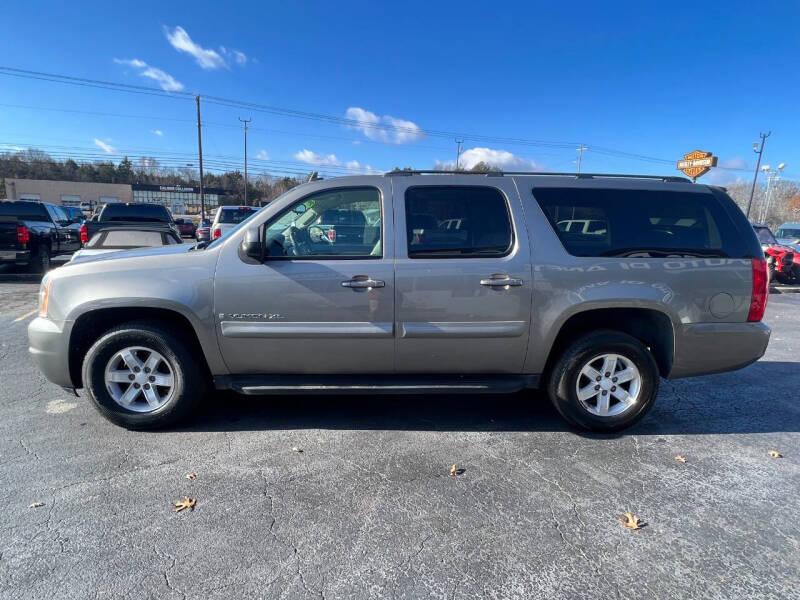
(705, 348)
(48, 344)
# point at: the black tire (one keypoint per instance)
(563, 379)
(189, 378)
(40, 262)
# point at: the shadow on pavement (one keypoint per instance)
(720, 404)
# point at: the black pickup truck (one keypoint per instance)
(33, 232)
(129, 214)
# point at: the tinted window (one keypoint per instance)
(60, 215)
(457, 221)
(787, 232)
(126, 239)
(135, 212)
(27, 211)
(639, 223)
(235, 215)
(765, 235)
(329, 224)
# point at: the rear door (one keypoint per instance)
(463, 276)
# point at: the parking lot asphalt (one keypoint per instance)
(368, 508)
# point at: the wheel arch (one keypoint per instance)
(650, 326)
(92, 324)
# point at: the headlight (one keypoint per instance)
(44, 294)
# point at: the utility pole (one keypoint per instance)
(458, 152)
(580, 149)
(758, 151)
(245, 121)
(200, 154)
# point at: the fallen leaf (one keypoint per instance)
(296, 449)
(680, 459)
(453, 470)
(631, 521)
(36, 505)
(775, 454)
(185, 503)
(191, 475)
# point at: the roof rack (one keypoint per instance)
(667, 178)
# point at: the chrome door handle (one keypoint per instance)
(367, 282)
(501, 282)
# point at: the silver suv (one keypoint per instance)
(422, 283)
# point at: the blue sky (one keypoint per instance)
(658, 80)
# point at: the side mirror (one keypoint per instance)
(252, 243)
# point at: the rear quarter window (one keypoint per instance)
(640, 223)
(25, 211)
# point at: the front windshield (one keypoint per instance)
(788, 233)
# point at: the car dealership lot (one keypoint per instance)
(369, 509)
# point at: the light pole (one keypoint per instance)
(758, 151)
(580, 149)
(772, 176)
(245, 121)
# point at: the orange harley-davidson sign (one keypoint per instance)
(697, 163)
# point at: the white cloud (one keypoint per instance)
(205, 57)
(240, 58)
(131, 62)
(107, 148)
(157, 132)
(165, 80)
(502, 159)
(318, 160)
(386, 129)
(262, 155)
(356, 167)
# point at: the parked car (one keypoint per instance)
(228, 217)
(74, 213)
(788, 234)
(676, 286)
(115, 239)
(203, 233)
(186, 227)
(31, 233)
(128, 214)
(780, 258)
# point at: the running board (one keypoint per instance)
(260, 385)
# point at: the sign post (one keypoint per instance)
(697, 163)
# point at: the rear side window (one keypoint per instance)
(135, 212)
(457, 221)
(640, 223)
(235, 215)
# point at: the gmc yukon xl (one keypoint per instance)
(591, 287)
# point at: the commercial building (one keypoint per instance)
(180, 199)
(87, 195)
(69, 193)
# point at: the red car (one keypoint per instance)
(780, 258)
(186, 227)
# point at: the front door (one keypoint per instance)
(322, 301)
(463, 277)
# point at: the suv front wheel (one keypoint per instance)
(604, 381)
(141, 376)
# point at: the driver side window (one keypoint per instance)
(329, 224)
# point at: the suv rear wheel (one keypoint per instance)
(604, 381)
(141, 376)
(40, 262)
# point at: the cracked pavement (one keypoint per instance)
(368, 508)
